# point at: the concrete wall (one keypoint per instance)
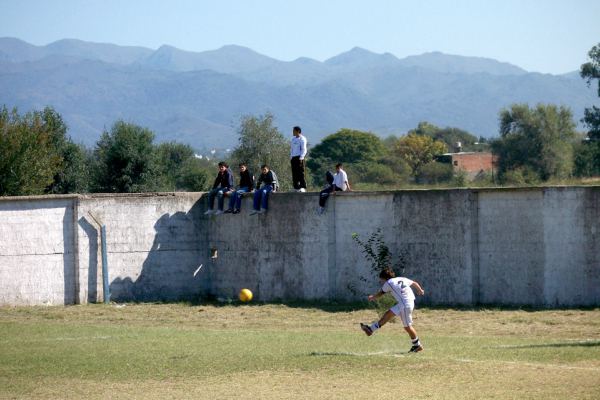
(536, 246)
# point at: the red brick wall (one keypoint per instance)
(473, 163)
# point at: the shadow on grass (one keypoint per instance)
(587, 343)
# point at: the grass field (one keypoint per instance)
(179, 351)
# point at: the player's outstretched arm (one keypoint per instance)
(375, 296)
(415, 285)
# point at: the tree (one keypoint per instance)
(590, 71)
(450, 136)
(73, 176)
(261, 143)
(29, 159)
(587, 153)
(358, 150)
(126, 160)
(180, 169)
(539, 138)
(417, 150)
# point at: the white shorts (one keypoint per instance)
(405, 313)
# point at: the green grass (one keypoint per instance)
(277, 351)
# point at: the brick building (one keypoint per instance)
(475, 164)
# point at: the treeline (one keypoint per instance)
(38, 157)
(535, 145)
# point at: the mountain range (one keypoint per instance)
(199, 97)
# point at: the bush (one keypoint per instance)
(434, 172)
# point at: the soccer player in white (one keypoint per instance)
(401, 289)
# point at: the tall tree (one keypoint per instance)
(29, 158)
(73, 176)
(418, 151)
(180, 168)
(126, 160)
(540, 139)
(591, 71)
(587, 153)
(260, 142)
(450, 136)
(359, 151)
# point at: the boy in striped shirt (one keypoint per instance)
(402, 290)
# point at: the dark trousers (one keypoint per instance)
(324, 195)
(298, 173)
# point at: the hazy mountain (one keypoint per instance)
(440, 62)
(227, 59)
(16, 50)
(198, 98)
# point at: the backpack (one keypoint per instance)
(275, 181)
(329, 177)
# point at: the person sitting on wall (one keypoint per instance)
(246, 185)
(223, 184)
(270, 184)
(339, 183)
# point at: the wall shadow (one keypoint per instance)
(92, 281)
(168, 272)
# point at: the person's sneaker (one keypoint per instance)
(321, 210)
(416, 348)
(253, 212)
(262, 211)
(302, 190)
(366, 329)
(228, 211)
(236, 211)
(219, 212)
(208, 212)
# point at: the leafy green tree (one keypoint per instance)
(418, 150)
(357, 150)
(587, 153)
(261, 143)
(591, 71)
(450, 136)
(29, 159)
(74, 175)
(126, 160)
(180, 168)
(539, 138)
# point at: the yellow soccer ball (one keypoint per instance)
(245, 295)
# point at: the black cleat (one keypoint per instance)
(366, 329)
(416, 349)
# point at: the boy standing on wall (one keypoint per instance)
(401, 289)
(297, 154)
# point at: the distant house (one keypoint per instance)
(475, 164)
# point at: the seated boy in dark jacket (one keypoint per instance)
(223, 184)
(246, 185)
(269, 182)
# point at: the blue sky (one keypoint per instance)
(549, 36)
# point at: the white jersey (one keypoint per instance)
(401, 290)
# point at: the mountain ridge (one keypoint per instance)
(198, 98)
